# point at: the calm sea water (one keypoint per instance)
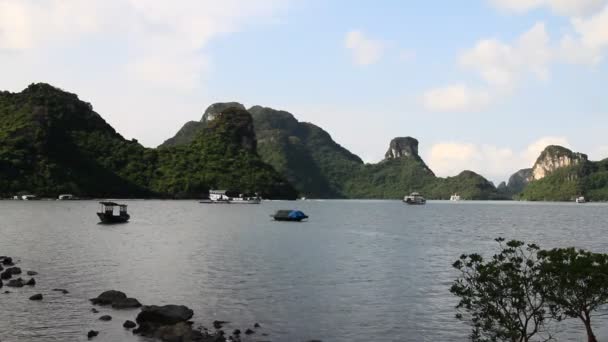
(357, 271)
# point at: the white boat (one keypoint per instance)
(581, 199)
(231, 197)
(29, 197)
(414, 198)
(455, 197)
(65, 197)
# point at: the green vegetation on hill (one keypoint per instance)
(51, 143)
(307, 155)
(318, 167)
(588, 179)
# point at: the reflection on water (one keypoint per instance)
(357, 271)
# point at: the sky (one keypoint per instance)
(484, 85)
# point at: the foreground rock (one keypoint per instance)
(117, 299)
(15, 283)
(92, 333)
(129, 324)
(168, 322)
(36, 297)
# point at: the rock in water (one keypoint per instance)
(36, 297)
(109, 297)
(14, 270)
(64, 291)
(127, 303)
(164, 315)
(249, 332)
(7, 261)
(32, 273)
(92, 333)
(31, 282)
(129, 324)
(105, 318)
(168, 322)
(15, 283)
(6, 275)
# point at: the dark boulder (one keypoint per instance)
(249, 332)
(15, 283)
(64, 291)
(257, 325)
(167, 323)
(109, 297)
(129, 324)
(31, 273)
(36, 297)
(6, 275)
(92, 333)
(31, 282)
(164, 315)
(93, 310)
(14, 270)
(105, 318)
(127, 303)
(7, 261)
(236, 332)
(219, 324)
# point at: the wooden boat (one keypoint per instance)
(106, 215)
(414, 198)
(289, 215)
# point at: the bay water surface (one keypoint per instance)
(356, 271)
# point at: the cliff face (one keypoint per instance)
(217, 108)
(402, 147)
(518, 181)
(554, 158)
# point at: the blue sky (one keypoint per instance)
(483, 84)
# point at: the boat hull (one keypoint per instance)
(287, 219)
(414, 202)
(110, 219)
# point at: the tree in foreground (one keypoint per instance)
(500, 297)
(575, 283)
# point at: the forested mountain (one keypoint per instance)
(51, 142)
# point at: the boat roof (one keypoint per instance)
(112, 204)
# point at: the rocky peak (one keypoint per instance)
(402, 147)
(217, 108)
(553, 158)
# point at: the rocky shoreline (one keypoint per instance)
(169, 323)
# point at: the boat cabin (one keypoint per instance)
(106, 215)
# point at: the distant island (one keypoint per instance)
(51, 142)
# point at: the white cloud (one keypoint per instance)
(590, 40)
(455, 98)
(561, 7)
(365, 51)
(135, 60)
(502, 64)
(163, 41)
(495, 163)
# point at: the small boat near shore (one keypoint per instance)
(414, 198)
(455, 198)
(581, 200)
(289, 215)
(230, 197)
(106, 215)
